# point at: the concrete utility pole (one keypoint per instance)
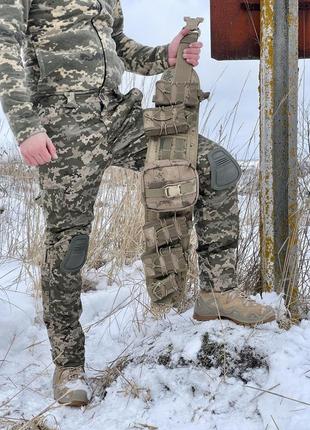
(278, 148)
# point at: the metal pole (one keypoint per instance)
(278, 148)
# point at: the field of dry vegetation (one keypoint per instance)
(116, 238)
(116, 231)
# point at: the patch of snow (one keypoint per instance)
(163, 383)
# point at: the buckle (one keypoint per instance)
(172, 191)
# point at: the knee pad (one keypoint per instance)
(225, 171)
(76, 255)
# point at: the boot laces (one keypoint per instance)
(72, 373)
(247, 300)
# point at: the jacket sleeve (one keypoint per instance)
(14, 95)
(137, 58)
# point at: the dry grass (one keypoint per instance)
(35, 424)
(117, 228)
(116, 238)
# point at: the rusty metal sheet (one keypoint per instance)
(235, 29)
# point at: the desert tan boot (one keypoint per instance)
(70, 386)
(233, 305)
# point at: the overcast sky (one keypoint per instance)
(227, 80)
(157, 22)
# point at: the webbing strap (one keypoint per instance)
(184, 70)
(179, 87)
(171, 191)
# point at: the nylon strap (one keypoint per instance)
(180, 86)
(172, 191)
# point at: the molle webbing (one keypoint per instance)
(170, 180)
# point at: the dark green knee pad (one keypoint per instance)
(76, 254)
(225, 171)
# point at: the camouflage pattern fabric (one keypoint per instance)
(68, 45)
(90, 137)
(57, 57)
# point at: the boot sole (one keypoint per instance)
(74, 403)
(76, 400)
(201, 318)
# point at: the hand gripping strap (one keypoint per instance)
(183, 69)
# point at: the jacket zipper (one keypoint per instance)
(104, 57)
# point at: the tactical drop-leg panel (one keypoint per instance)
(170, 180)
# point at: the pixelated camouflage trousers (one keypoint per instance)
(91, 135)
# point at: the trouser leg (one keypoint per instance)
(217, 227)
(69, 189)
(62, 305)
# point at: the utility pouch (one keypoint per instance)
(165, 120)
(161, 288)
(169, 185)
(168, 260)
(166, 231)
(176, 93)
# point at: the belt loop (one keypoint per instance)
(71, 102)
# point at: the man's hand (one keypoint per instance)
(191, 54)
(38, 149)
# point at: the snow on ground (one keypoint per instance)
(168, 374)
(176, 373)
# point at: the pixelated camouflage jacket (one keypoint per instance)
(67, 45)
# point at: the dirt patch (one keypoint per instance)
(165, 357)
(248, 359)
(212, 354)
(231, 362)
(234, 363)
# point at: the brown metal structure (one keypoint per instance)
(235, 29)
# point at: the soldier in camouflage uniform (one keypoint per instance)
(69, 118)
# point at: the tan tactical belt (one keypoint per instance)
(170, 184)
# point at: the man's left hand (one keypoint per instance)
(191, 54)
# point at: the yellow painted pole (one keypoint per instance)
(278, 149)
(267, 81)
